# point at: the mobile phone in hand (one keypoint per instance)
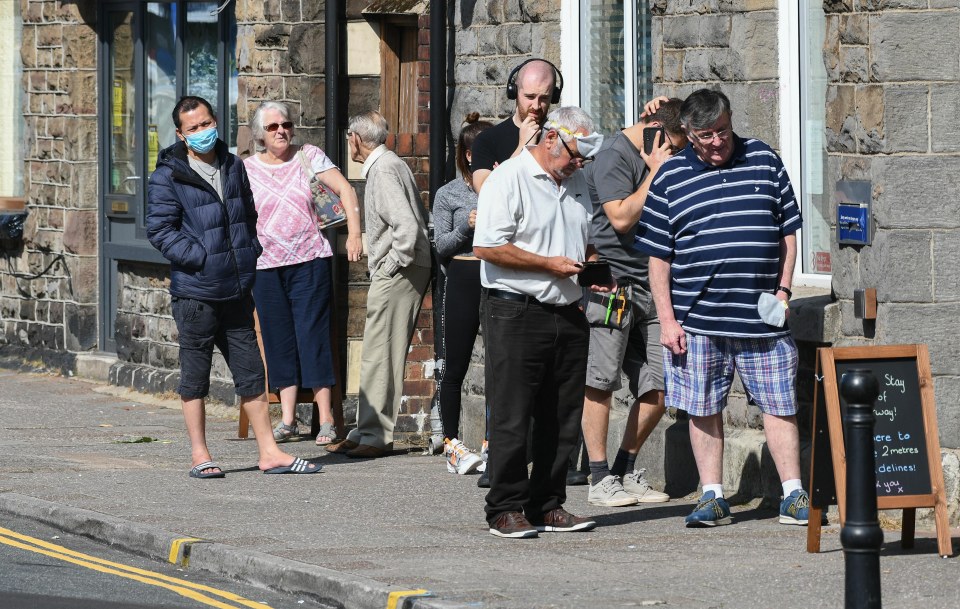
(649, 133)
(595, 273)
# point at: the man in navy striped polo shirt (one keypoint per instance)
(720, 227)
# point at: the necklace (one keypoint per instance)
(214, 169)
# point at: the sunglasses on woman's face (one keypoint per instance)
(287, 126)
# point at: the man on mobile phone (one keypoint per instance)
(624, 331)
(707, 284)
(532, 238)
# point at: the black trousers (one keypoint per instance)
(461, 322)
(535, 367)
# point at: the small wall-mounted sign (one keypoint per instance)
(119, 207)
(854, 220)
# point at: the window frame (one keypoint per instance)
(793, 95)
(570, 62)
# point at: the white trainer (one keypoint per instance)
(460, 460)
(609, 492)
(637, 486)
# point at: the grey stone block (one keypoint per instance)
(714, 30)
(853, 64)
(754, 34)
(947, 397)
(944, 110)
(681, 32)
(899, 38)
(899, 265)
(946, 271)
(903, 323)
(515, 39)
(915, 191)
(904, 107)
(854, 29)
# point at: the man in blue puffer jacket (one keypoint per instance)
(200, 215)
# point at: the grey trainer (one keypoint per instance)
(609, 492)
(637, 486)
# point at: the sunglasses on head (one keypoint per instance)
(287, 125)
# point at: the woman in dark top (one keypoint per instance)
(454, 217)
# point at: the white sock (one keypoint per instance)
(716, 488)
(791, 485)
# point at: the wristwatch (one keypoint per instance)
(785, 290)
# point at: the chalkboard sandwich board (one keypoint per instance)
(906, 440)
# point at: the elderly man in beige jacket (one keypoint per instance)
(399, 261)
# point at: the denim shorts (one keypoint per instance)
(699, 380)
(228, 325)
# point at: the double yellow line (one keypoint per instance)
(198, 592)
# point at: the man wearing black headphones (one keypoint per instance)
(533, 84)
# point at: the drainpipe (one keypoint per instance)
(333, 23)
(334, 19)
(438, 96)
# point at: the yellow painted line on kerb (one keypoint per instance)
(395, 597)
(175, 547)
(182, 587)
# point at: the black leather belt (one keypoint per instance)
(513, 296)
(505, 295)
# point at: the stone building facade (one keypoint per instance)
(885, 119)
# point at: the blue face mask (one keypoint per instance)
(202, 141)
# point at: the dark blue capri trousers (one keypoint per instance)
(293, 304)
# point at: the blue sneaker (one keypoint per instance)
(710, 512)
(795, 508)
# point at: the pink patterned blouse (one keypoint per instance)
(285, 224)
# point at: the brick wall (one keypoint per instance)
(53, 316)
(280, 50)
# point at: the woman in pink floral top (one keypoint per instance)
(293, 286)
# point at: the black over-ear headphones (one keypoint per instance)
(557, 85)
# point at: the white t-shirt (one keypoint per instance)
(521, 204)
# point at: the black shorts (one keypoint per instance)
(228, 325)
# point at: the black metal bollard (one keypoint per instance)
(861, 536)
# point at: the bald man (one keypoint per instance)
(535, 83)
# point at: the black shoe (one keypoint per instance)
(484, 480)
(576, 478)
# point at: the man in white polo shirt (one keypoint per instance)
(531, 236)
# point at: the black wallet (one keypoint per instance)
(595, 273)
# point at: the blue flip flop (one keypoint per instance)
(197, 471)
(299, 466)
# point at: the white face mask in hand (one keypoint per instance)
(773, 311)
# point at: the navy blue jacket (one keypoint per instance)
(211, 243)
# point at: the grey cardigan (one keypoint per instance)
(395, 218)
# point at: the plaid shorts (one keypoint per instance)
(699, 380)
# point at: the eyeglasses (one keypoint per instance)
(287, 125)
(349, 134)
(575, 157)
(706, 138)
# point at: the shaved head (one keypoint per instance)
(536, 74)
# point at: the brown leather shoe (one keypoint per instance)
(512, 525)
(559, 520)
(366, 451)
(341, 447)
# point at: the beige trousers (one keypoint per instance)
(393, 304)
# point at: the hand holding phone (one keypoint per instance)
(649, 135)
(596, 272)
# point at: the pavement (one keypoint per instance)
(76, 455)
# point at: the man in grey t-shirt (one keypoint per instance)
(624, 331)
